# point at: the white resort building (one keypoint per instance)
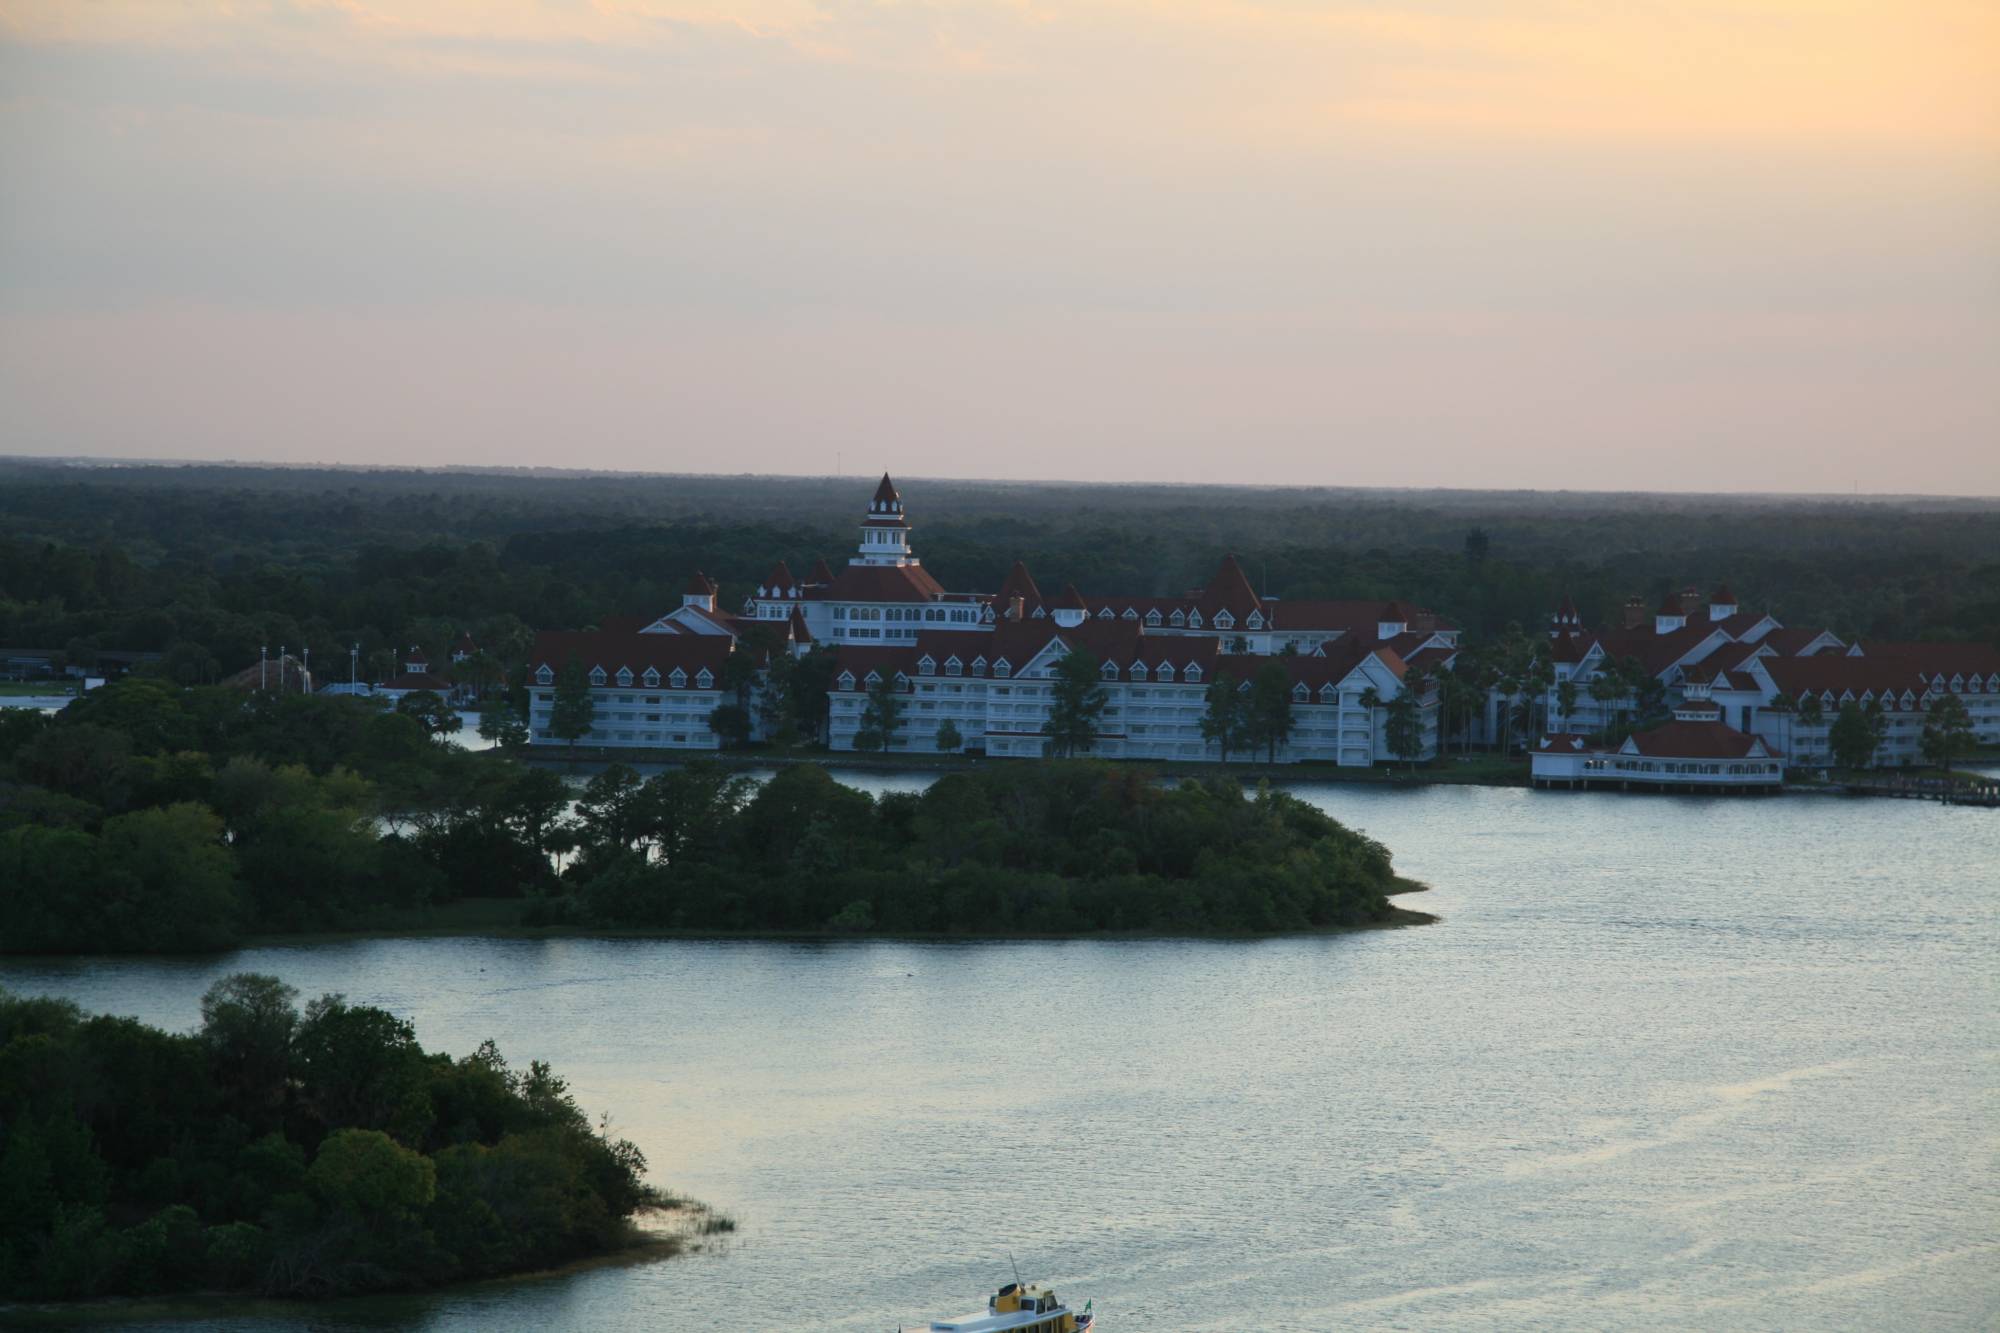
(984, 660)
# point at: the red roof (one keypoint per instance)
(885, 583)
(1838, 674)
(886, 492)
(797, 626)
(601, 648)
(700, 585)
(416, 654)
(1790, 642)
(1657, 652)
(1070, 600)
(1696, 740)
(1722, 596)
(779, 581)
(820, 574)
(1566, 610)
(1939, 659)
(1229, 590)
(1351, 617)
(1018, 583)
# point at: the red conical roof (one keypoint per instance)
(701, 585)
(886, 492)
(800, 634)
(780, 577)
(1566, 609)
(1229, 590)
(1071, 599)
(820, 573)
(1723, 596)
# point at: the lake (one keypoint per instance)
(1666, 1062)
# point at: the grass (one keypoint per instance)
(15, 689)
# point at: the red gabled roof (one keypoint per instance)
(1657, 652)
(1790, 642)
(1350, 617)
(884, 583)
(780, 579)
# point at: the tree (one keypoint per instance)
(1811, 711)
(809, 684)
(1947, 730)
(1566, 701)
(881, 716)
(948, 741)
(247, 1024)
(431, 712)
(1371, 699)
(1077, 700)
(1607, 686)
(1404, 733)
(1225, 722)
(1271, 708)
(501, 724)
(731, 722)
(574, 709)
(739, 673)
(1856, 734)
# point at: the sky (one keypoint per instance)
(1590, 244)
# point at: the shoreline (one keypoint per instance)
(1398, 918)
(645, 1246)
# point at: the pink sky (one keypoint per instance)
(1742, 246)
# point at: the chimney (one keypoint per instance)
(1635, 613)
(1015, 605)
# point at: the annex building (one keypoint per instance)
(983, 660)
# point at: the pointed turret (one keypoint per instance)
(886, 494)
(1229, 591)
(1069, 609)
(820, 575)
(700, 592)
(779, 582)
(885, 532)
(802, 638)
(1019, 583)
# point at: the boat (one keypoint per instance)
(1016, 1308)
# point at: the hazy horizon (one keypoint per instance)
(1720, 248)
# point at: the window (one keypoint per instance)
(927, 666)
(597, 675)
(1040, 614)
(1223, 620)
(1131, 613)
(1192, 674)
(1166, 671)
(846, 680)
(705, 679)
(1327, 694)
(1109, 671)
(872, 679)
(1002, 669)
(625, 676)
(1179, 618)
(978, 666)
(1194, 620)
(1104, 613)
(544, 676)
(1256, 620)
(1138, 671)
(679, 679)
(1153, 616)
(652, 678)
(953, 667)
(1300, 692)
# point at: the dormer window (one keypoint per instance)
(1301, 693)
(706, 679)
(902, 681)
(624, 675)
(1194, 619)
(544, 676)
(1003, 669)
(1138, 671)
(1166, 671)
(953, 667)
(1109, 671)
(679, 679)
(1192, 674)
(927, 666)
(597, 675)
(1256, 620)
(1131, 613)
(846, 681)
(987, 614)
(1179, 619)
(978, 666)
(1153, 616)
(1040, 614)
(651, 678)
(1328, 694)
(1104, 613)
(872, 679)
(1223, 620)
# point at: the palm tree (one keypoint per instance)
(1371, 700)
(1566, 700)
(1811, 711)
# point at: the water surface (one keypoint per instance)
(1667, 1062)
